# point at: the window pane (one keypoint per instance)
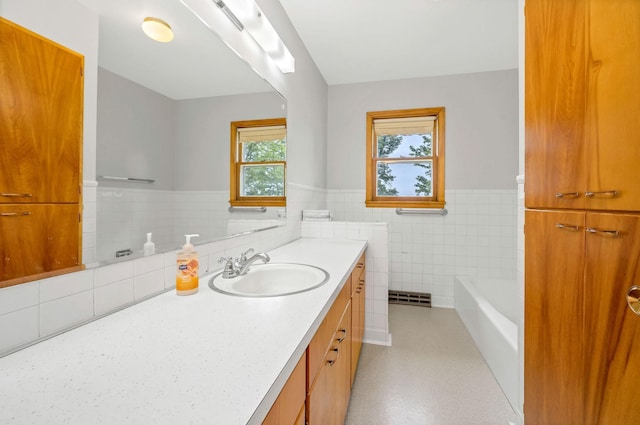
(262, 180)
(405, 146)
(412, 178)
(264, 151)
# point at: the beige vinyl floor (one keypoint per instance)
(433, 374)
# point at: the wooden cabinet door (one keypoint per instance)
(38, 238)
(289, 406)
(40, 118)
(343, 365)
(612, 330)
(555, 103)
(553, 357)
(328, 397)
(613, 108)
(22, 241)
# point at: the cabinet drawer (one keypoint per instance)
(358, 274)
(324, 336)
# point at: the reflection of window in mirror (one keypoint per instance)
(258, 163)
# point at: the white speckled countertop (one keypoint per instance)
(206, 358)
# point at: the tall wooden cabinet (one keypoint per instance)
(40, 156)
(582, 234)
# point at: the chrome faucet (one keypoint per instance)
(244, 265)
(240, 266)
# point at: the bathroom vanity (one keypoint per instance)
(207, 358)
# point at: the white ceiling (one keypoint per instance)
(355, 41)
(195, 64)
(351, 41)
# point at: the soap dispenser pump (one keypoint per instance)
(187, 273)
(149, 247)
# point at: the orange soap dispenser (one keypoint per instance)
(187, 275)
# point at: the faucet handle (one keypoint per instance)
(229, 266)
(243, 256)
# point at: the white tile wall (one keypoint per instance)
(377, 275)
(477, 237)
(112, 296)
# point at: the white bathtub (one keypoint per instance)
(488, 309)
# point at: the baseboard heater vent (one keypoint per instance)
(410, 298)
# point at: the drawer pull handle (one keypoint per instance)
(332, 362)
(603, 194)
(633, 299)
(610, 233)
(568, 195)
(17, 195)
(15, 214)
(567, 227)
(344, 335)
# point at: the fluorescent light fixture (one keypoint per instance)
(233, 18)
(157, 29)
(245, 14)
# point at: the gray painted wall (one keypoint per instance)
(481, 126)
(201, 150)
(135, 132)
(182, 144)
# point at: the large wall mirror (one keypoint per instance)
(163, 124)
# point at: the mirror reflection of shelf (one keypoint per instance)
(126, 179)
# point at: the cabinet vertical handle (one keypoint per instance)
(604, 194)
(15, 214)
(633, 299)
(610, 233)
(16, 195)
(568, 195)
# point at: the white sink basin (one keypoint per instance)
(271, 280)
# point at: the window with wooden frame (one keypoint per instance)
(258, 163)
(405, 158)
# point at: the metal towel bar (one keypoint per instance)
(130, 179)
(248, 209)
(406, 211)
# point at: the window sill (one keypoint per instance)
(259, 203)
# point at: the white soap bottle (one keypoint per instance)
(149, 247)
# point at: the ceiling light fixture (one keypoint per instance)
(157, 29)
(233, 18)
(245, 14)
